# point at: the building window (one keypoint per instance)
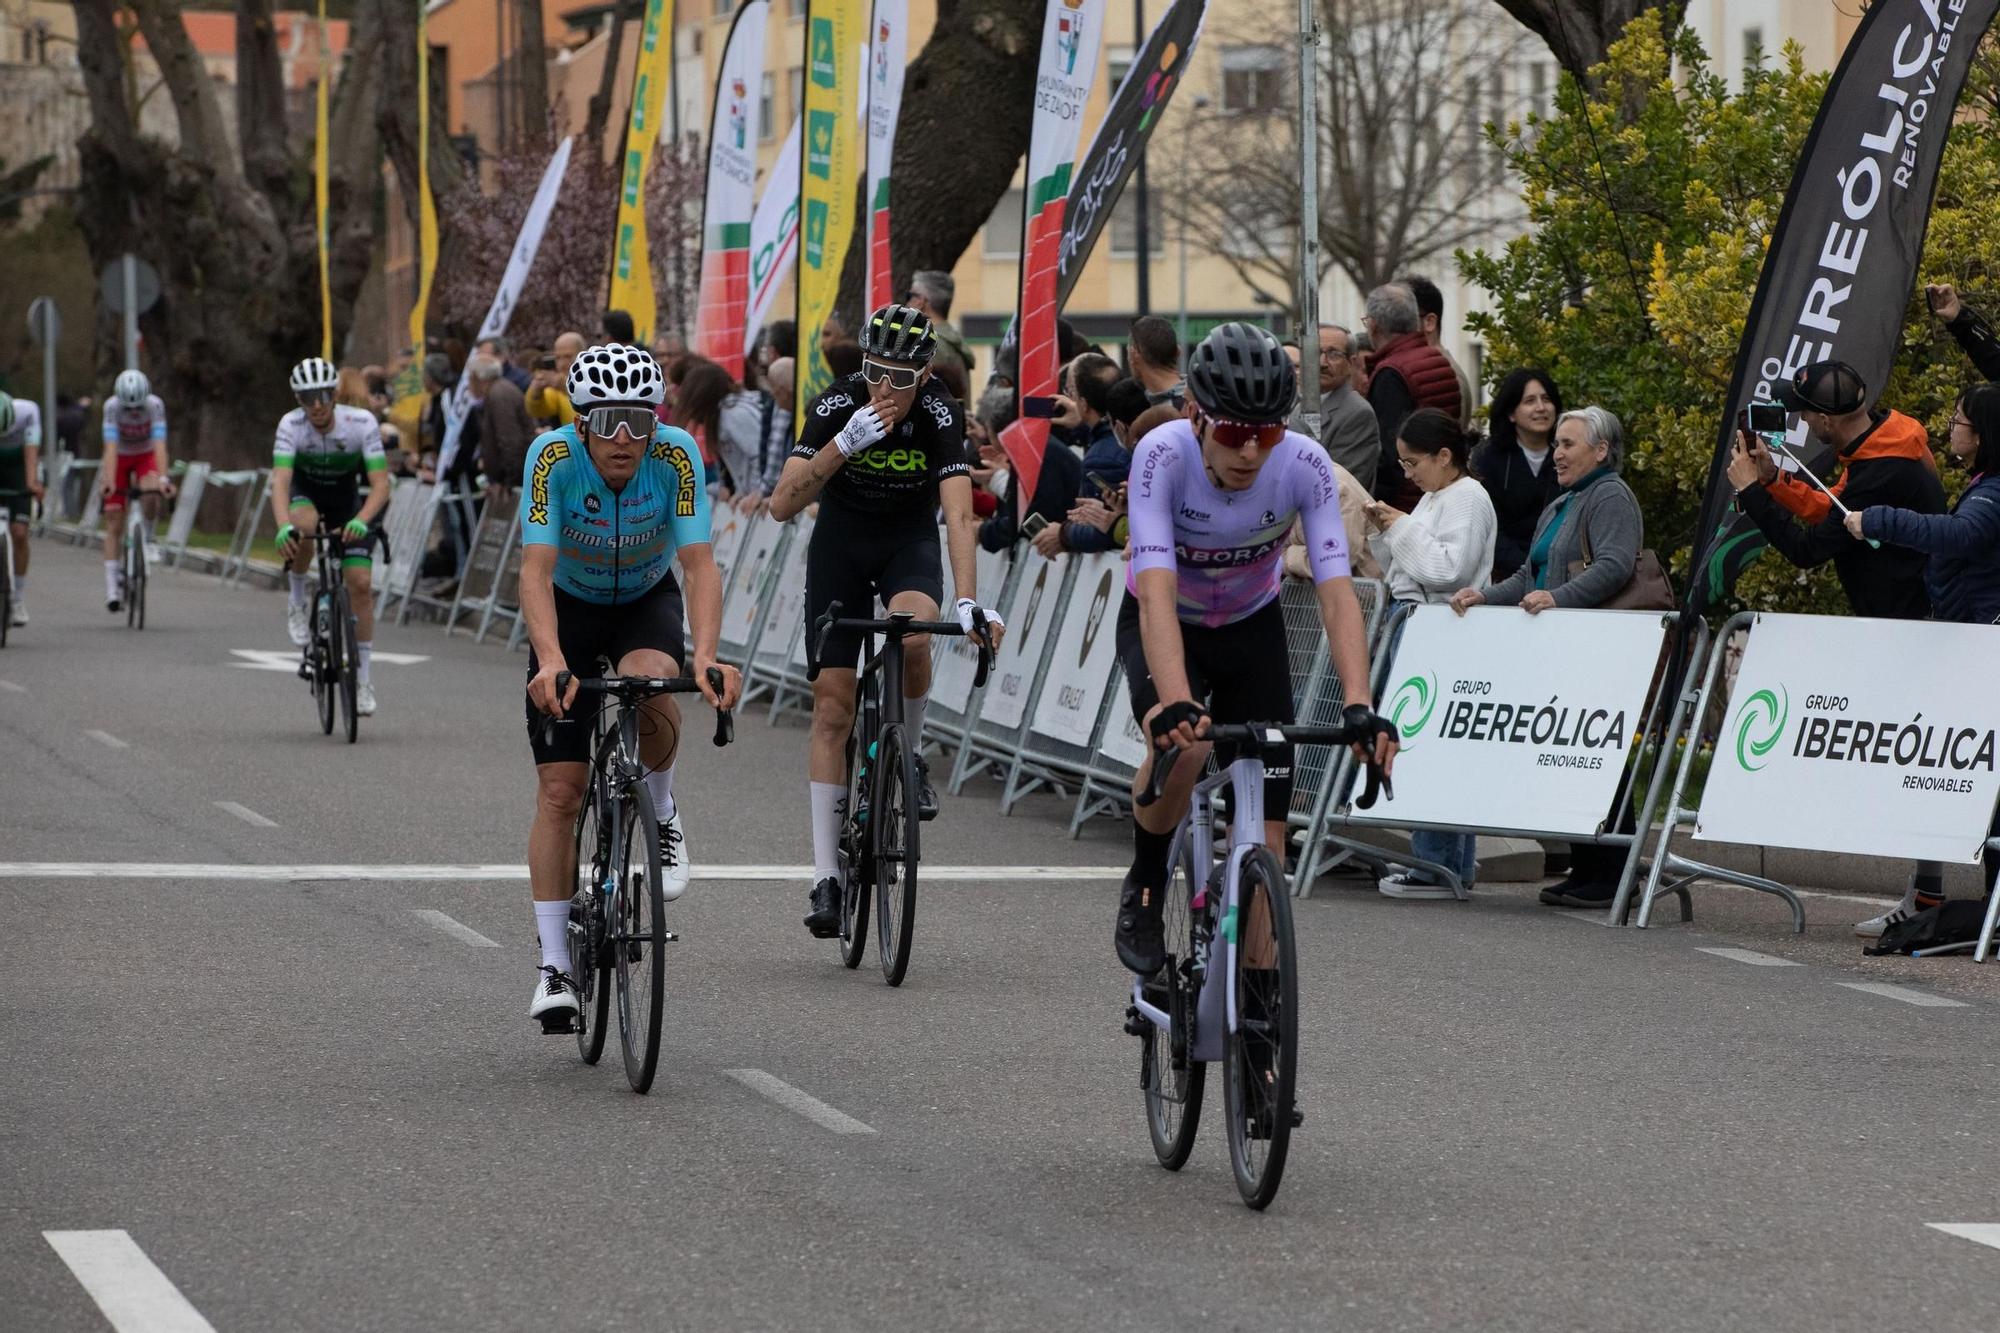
(1253, 78)
(1003, 229)
(767, 111)
(798, 9)
(1117, 61)
(1125, 225)
(795, 79)
(1753, 53)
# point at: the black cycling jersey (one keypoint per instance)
(899, 474)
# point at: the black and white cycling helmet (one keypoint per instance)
(1240, 372)
(314, 374)
(899, 333)
(132, 388)
(615, 373)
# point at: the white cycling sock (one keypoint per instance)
(367, 654)
(552, 924)
(298, 589)
(913, 715)
(827, 799)
(660, 782)
(20, 584)
(111, 579)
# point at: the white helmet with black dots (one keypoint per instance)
(615, 373)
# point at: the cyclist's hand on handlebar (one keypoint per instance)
(732, 682)
(1178, 725)
(542, 689)
(354, 529)
(1380, 749)
(288, 540)
(996, 628)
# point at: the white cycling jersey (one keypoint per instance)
(134, 430)
(351, 446)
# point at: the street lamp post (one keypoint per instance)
(1199, 105)
(1309, 403)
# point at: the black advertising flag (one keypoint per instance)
(1843, 258)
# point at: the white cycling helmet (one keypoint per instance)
(132, 388)
(313, 374)
(615, 373)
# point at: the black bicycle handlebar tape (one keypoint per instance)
(725, 722)
(825, 628)
(979, 641)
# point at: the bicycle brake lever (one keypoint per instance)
(825, 628)
(1372, 790)
(725, 721)
(980, 641)
(1162, 765)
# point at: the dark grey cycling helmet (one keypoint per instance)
(899, 333)
(1240, 372)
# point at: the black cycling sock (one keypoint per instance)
(1149, 857)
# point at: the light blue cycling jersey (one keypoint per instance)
(613, 547)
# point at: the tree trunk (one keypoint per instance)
(1580, 34)
(532, 59)
(980, 61)
(607, 82)
(260, 97)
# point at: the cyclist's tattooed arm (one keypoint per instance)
(802, 481)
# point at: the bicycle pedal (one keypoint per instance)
(1135, 1023)
(1298, 1117)
(668, 937)
(561, 1025)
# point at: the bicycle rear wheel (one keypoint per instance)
(635, 934)
(135, 578)
(1261, 1060)
(590, 964)
(350, 657)
(1172, 1081)
(895, 816)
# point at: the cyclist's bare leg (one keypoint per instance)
(917, 647)
(552, 837)
(1260, 946)
(361, 595)
(306, 519)
(832, 722)
(660, 716)
(17, 532)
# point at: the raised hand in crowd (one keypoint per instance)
(1750, 463)
(1068, 415)
(1944, 302)
(1049, 541)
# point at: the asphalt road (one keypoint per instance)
(309, 1107)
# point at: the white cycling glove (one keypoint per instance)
(966, 606)
(863, 429)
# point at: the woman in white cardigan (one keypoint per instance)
(1443, 545)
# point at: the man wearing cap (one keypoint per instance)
(1886, 459)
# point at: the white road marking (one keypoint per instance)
(1752, 957)
(996, 875)
(789, 1097)
(1589, 918)
(455, 928)
(246, 814)
(1982, 1233)
(135, 1296)
(287, 661)
(9, 687)
(107, 739)
(1903, 993)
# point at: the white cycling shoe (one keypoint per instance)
(674, 869)
(20, 615)
(555, 996)
(364, 699)
(297, 623)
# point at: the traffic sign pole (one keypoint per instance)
(129, 272)
(45, 327)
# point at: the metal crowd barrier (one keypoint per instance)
(249, 523)
(1034, 597)
(776, 659)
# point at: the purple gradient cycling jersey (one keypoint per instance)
(1227, 547)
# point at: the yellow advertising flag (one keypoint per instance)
(320, 169)
(631, 267)
(427, 221)
(836, 32)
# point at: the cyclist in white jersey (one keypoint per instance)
(135, 454)
(323, 451)
(20, 484)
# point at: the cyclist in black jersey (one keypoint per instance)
(881, 451)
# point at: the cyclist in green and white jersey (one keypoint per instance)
(323, 451)
(20, 483)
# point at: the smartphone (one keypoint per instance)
(1763, 419)
(545, 363)
(1034, 524)
(1040, 407)
(1104, 488)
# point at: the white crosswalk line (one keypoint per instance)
(789, 1097)
(457, 929)
(997, 876)
(135, 1296)
(1982, 1233)
(246, 814)
(108, 740)
(1903, 993)
(1752, 957)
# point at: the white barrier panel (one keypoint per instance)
(1006, 698)
(725, 535)
(181, 526)
(951, 679)
(788, 597)
(1867, 736)
(1514, 721)
(1086, 645)
(1124, 742)
(739, 617)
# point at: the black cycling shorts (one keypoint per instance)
(586, 632)
(1242, 671)
(855, 558)
(335, 506)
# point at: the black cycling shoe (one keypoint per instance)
(1141, 939)
(927, 802)
(824, 919)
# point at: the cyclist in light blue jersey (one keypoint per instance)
(608, 504)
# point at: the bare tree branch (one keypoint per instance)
(1580, 34)
(260, 98)
(188, 84)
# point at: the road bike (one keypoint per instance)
(6, 573)
(1229, 990)
(135, 555)
(879, 842)
(333, 654)
(616, 916)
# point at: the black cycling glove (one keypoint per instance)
(1173, 715)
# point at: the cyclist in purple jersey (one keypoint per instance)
(1201, 634)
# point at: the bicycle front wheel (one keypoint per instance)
(589, 961)
(1173, 1082)
(350, 659)
(325, 664)
(635, 934)
(895, 815)
(135, 580)
(1261, 1060)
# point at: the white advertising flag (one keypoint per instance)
(1868, 736)
(730, 199)
(774, 235)
(1513, 721)
(888, 43)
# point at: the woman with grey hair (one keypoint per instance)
(1596, 513)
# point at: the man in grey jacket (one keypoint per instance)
(1348, 430)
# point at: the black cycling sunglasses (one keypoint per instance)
(314, 397)
(636, 422)
(896, 377)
